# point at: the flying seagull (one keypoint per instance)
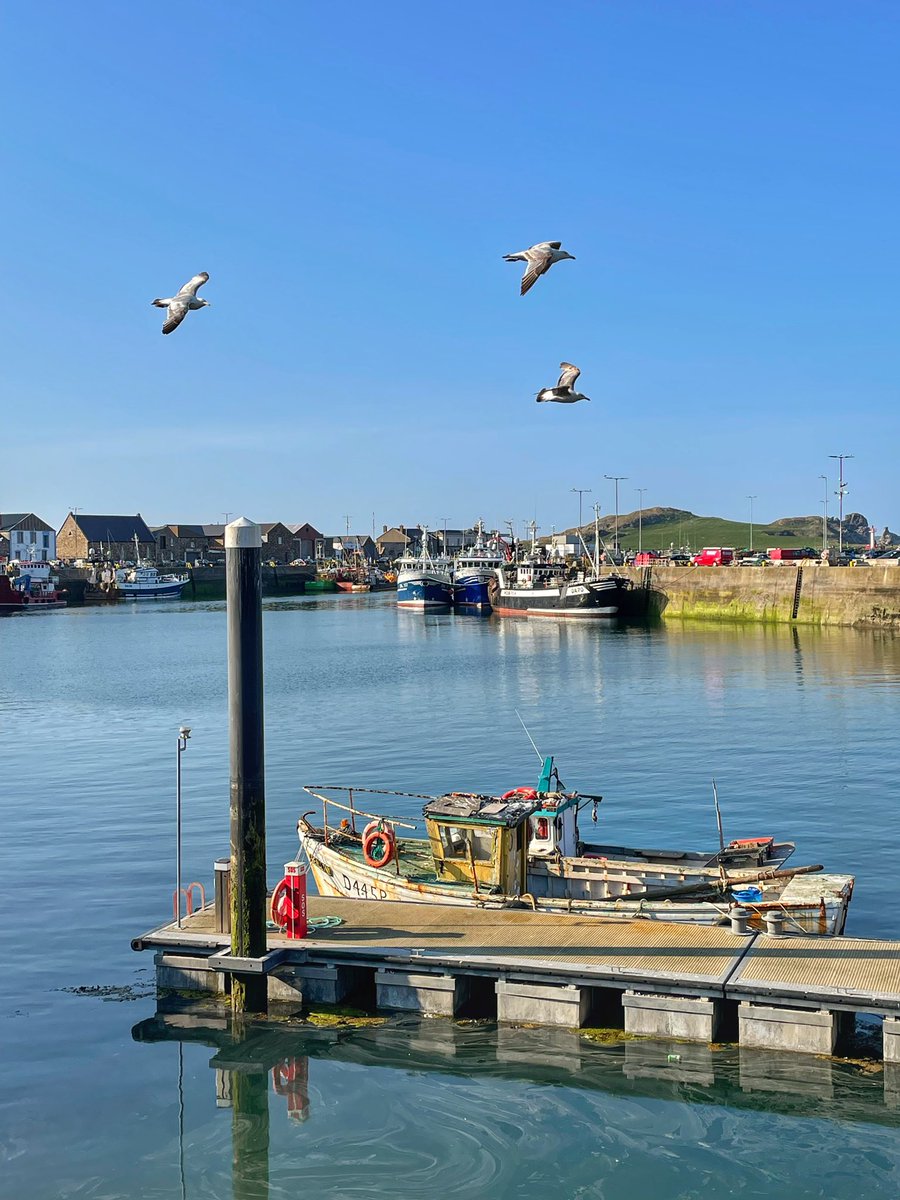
(540, 258)
(182, 302)
(563, 393)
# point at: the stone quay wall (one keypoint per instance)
(811, 594)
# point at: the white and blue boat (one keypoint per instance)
(473, 571)
(424, 582)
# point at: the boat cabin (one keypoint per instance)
(486, 841)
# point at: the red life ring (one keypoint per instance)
(370, 828)
(379, 847)
(523, 793)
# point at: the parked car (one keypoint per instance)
(753, 560)
(714, 556)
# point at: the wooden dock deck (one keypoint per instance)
(679, 980)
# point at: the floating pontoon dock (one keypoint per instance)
(697, 982)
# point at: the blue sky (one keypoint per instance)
(350, 175)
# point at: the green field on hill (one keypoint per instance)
(665, 527)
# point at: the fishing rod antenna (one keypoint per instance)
(528, 735)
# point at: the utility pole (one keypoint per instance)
(842, 489)
(640, 492)
(227, 516)
(581, 492)
(243, 592)
(751, 499)
(825, 516)
(616, 480)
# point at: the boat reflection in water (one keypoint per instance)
(350, 1104)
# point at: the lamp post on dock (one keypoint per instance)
(825, 515)
(243, 590)
(183, 734)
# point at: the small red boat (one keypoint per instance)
(30, 591)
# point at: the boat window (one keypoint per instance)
(453, 842)
(482, 844)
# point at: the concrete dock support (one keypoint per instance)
(693, 1018)
(315, 985)
(187, 973)
(243, 542)
(544, 1004)
(808, 1031)
(432, 995)
(891, 1035)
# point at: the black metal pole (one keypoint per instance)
(243, 589)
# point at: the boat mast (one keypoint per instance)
(596, 540)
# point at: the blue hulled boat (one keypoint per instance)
(424, 582)
(473, 571)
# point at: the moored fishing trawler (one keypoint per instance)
(473, 571)
(33, 589)
(538, 586)
(525, 849)
(424, 581)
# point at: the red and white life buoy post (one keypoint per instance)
(289, 901)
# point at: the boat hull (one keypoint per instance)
(471, 593)
(424, 592)
(157, 591)
(814, 904)
(581, 601)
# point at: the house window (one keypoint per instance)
(46, 541)
(279, 541)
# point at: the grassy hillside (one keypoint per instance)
(666, 526)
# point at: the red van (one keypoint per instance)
(714, 556)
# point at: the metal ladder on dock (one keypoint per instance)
(798, 588)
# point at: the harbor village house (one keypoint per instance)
(27, 537)
(104, 538)
(277, 542)
(189, 544)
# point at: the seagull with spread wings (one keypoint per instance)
(184, 301)
(564, 392)
(538, 259)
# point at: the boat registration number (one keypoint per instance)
(369, 890)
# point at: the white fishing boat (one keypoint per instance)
(144, 582)
(525, 849)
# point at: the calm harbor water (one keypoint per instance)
(797, 726)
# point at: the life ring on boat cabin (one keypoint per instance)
(522, 793)
(379, 846)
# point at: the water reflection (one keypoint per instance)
(416, 1106)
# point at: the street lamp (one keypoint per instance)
(640, 492)
(825, 515)
(581, 492)
(842, 488)
(183, 734)
(751, 499)
(616, 480)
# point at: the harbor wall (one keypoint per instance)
(811, 594)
